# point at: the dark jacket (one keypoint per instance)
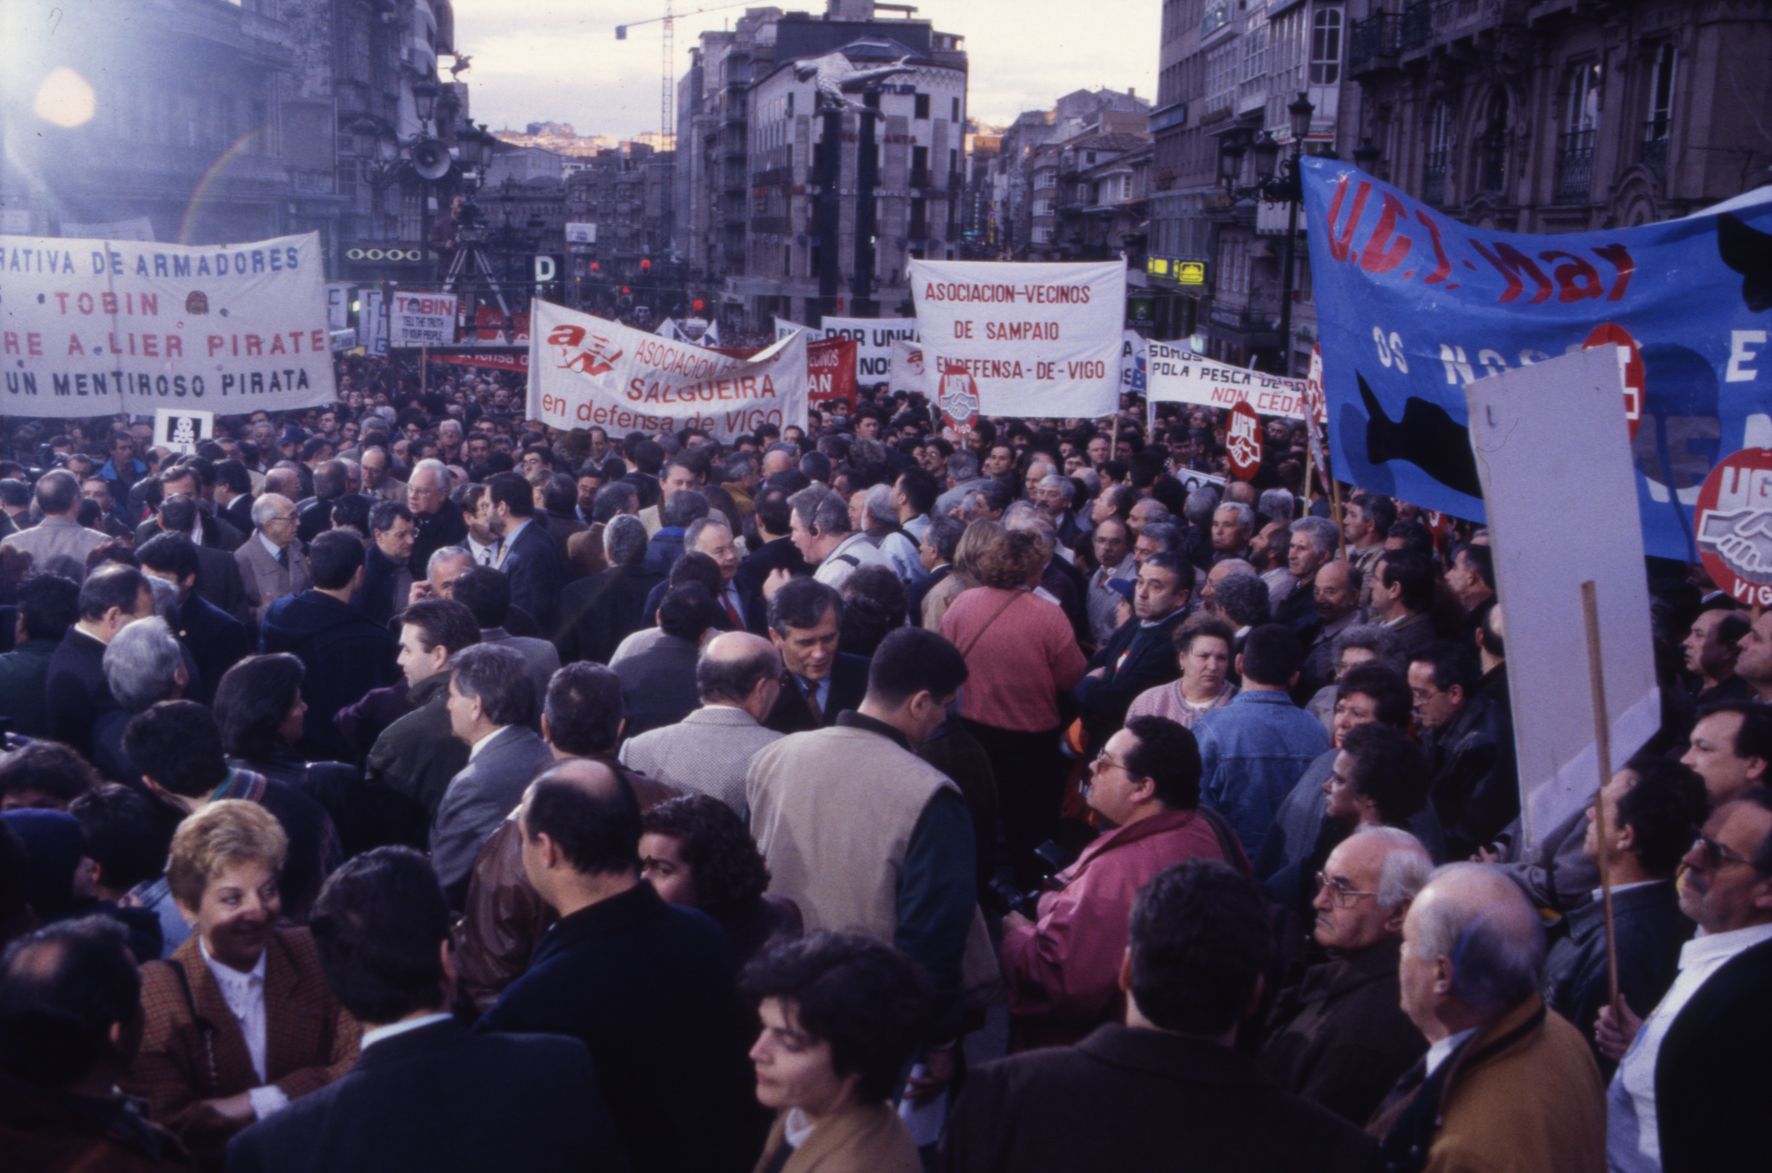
(601, 611)
(1472, 783)
(537, 570)
(1136, 658)
(663, 550)
(42, 1128)
(1131, 1099)
(1340, 1037)
(386, 584)
(345, 656)
(793, 714)
(416, 756)
(215, 639)
(658, 684)
(649, 987)
(365, 719)
(1649, 928)
(1711, 1078)
(775, 554)
(446, 527)
(24, 675)
(437, 1098)
(75, 690)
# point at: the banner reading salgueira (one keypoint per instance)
(94, 327)
(586, 371)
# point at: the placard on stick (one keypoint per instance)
(1555, 432)
(182, 429)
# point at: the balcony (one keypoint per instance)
(1575, 167)
(1653, 151)
(1418, 24)
(1374, 43)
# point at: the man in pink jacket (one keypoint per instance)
(1062, 970)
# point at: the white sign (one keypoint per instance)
(338, 304)
(910, 369)
(182, 430)
(1038, 339)
(95, 327)
(785, 328)
(1552, 431)
(873, 342)
(586, 371)
(1181, 376)
(421, 319)
(372, 323)
(579, 232)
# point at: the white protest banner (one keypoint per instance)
(421, 319)
(1552, 431)
(873, 342)
(372, 323)
(785, 328)
(92, 327)
(586, 371)
(1038, 339)
(910, 368)
(1134, 363)
(181, 429)
(338, 304)
(1178, 375)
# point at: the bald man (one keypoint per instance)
(708, 752)
(1507, 1083)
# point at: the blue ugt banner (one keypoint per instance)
(1412, 305)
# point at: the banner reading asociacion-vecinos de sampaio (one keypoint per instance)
(1037, 339)
(91, 327)
(586, 371)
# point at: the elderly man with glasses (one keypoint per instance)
(273, 562)
(1062, 967)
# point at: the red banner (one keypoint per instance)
(498, 360)
(830, 369)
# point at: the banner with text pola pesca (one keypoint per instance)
(92, 326)
(587, 371)
(1178, 375)
(1037, 339)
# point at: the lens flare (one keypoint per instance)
(65, 99)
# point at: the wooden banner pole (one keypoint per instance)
(1603, 750)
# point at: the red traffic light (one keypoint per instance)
(698, 305)
(645, 264)
(625, 291)
(595, 267)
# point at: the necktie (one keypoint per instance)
(283, 557)
(812, 702)
(732, 610)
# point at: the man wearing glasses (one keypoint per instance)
(1691, 1090)
(439, 524)
(1340, 1037)
(273, 562)
(1062, 969)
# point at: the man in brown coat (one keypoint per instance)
(1506, 1082)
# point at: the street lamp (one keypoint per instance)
(1274, 185)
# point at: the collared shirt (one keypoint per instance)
(474, 750)
(729, 597)
(271, 548)
(1442, 1050)
(1633, 1137)
(377, 1034)
(484, 555)
(818, 693)
(245, 995)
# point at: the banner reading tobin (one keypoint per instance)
(1413, 305)
(92, 327)
(586, 371)
(1037, 339)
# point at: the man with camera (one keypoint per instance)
(1062, 968)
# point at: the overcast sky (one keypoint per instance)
(558, 60)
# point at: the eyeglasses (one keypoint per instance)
(1102, 762)
(281, 517)
(1716, 856)
(1342, 895)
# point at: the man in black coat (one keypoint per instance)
(532, 559)
(214, 639)
(75, 690)
(1470, 749)
(439, 523)
(1166, 1090)
(1693, 1088)
(648, 986)
(426, 1092)
(774, 549)
(819, 682)
(345, 655)
(1141, 653)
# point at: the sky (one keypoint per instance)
(559, 61)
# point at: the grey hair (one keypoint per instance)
(1201, 504)
(962, 466)
(499, 678)
(1406, 865)
(142, 663)
(1244, 598)
(1320, 530)
(820, 509)
(694, 529)
(1376, 638)
(624, 540)
(436, 468)
(878, 504)
(1494, 939)
(444, 554)
(1165, 534)
(1277, 505)
(268, 504)
(1062, 484)
(1245, 516)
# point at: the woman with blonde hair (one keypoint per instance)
(239, 1021)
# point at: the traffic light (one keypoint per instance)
(698, 305)
(645, 264)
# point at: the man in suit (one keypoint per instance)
(273, 562)
(439, 523)
(775, 548)
(658, 681)
(48, 605)
(1469, 746)
(532, 560)
(1402, 597)
(426, 1093)
(744, 608)
(708, 752)
(218, 574)
(1689, 1094)
(344, 653)
(233, 495)
(1167, 1088)
(820, 682)
(58, 544)
(186, 480)
(600, 611)
(75, 688)
(215, 639)
(1506, 1083)
(648, 986)
(492, 711)
(486, 593)
(1141, 653)
(387, 574)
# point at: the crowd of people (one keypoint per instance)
(404, 784)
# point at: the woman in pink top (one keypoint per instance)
(1021, 656)
(1204, 645)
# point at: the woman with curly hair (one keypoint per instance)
(697, 852)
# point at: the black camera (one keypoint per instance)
(1051, 858)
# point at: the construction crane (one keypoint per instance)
(667, 86)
